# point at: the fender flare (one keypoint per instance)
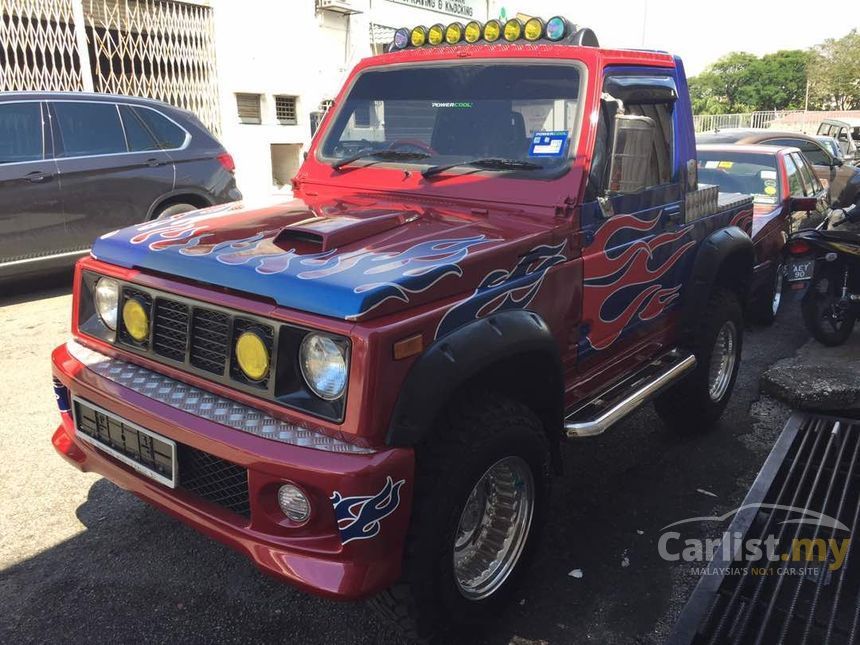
(450, 362)
(726, 244)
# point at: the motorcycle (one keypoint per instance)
(823, 265)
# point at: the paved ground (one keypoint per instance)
(81, 559)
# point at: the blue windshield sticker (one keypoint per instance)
(548, 144)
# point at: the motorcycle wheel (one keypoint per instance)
(828, 323)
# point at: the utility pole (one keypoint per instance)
(644, 22)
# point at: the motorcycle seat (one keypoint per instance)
(841, 236)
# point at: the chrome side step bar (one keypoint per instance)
(643, 390)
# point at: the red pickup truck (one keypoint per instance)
(497, 243)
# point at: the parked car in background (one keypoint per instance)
(842, 180)
(847, 134)
(74, 166)
(832, 146)
(786, 195)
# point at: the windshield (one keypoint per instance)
(739, 172)
(457, 113)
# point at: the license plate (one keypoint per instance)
(146, 452)
(799, 270)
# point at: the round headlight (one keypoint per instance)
(473, 32)
(435, 35)
(323, 364)
(136, 319)
(252, 355)
(492, 31)
(107, 301)
(418, 36)
(513, 30)
(294, 503)
(533, 29)
(454, 33)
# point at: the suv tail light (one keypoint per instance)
(226, 160)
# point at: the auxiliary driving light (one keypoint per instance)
(533, 29)
(513, 30)
(492, 31)
(436, 35)
(107, 301)
(418, 37)
(454, 33)
(556, 28)
(252, 355)
(294, 503)
(136, 319)
(472, 33)
(401, 38)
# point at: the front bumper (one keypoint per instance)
(349, 551)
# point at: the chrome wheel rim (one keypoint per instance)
(493, 528)
(722, 361)
(777, 289)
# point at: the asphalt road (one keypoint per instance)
(81, 559)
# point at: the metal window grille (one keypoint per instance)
(285, 110)
(158, 49)
(39, 46)
(248, 106)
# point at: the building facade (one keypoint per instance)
(258, 73)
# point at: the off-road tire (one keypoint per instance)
(473, 434)
(174, 209)
(810, 306)
(687, 407)
(761, 310)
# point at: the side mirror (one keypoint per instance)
(632, 153)
(837, 162)
(803, 204)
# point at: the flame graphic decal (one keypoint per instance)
(743, 220)
(630, 270)
(503, 289)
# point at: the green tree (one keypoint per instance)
(780, 80)
(835, 72)
(726, 86)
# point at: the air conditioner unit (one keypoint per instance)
(337, 6)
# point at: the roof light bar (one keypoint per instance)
(555, 30)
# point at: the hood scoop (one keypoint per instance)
(320, 234)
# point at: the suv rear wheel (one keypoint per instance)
(174, 209)
(481, 486)
(696, 402)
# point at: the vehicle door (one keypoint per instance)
(31, 211)
(110, 175)
(631, 219)
(827, 168)
(812, 186)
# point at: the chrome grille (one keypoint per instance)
(210, 338)
(170, 329)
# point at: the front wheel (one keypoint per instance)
(829, 320)
(481, 485)
(766, 307)
(698, 401)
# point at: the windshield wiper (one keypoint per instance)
(489, 163)
(384, 155)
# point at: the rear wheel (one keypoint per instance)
(481, 485)
(174, 209)
(698, 401)
(828, 319)
(766, 307)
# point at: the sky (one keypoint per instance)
(701, 32)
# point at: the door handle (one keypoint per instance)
(153, 163)
(37, 177)
(673, 215)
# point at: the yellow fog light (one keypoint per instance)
(436, 35)
(513, 30)
(454, 33)
(473, 32)
(533, 29)
(252, 356)
(492, 31)
(418, 37)
(135, 319)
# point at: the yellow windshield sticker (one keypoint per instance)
(770, 190)
(725, 164)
